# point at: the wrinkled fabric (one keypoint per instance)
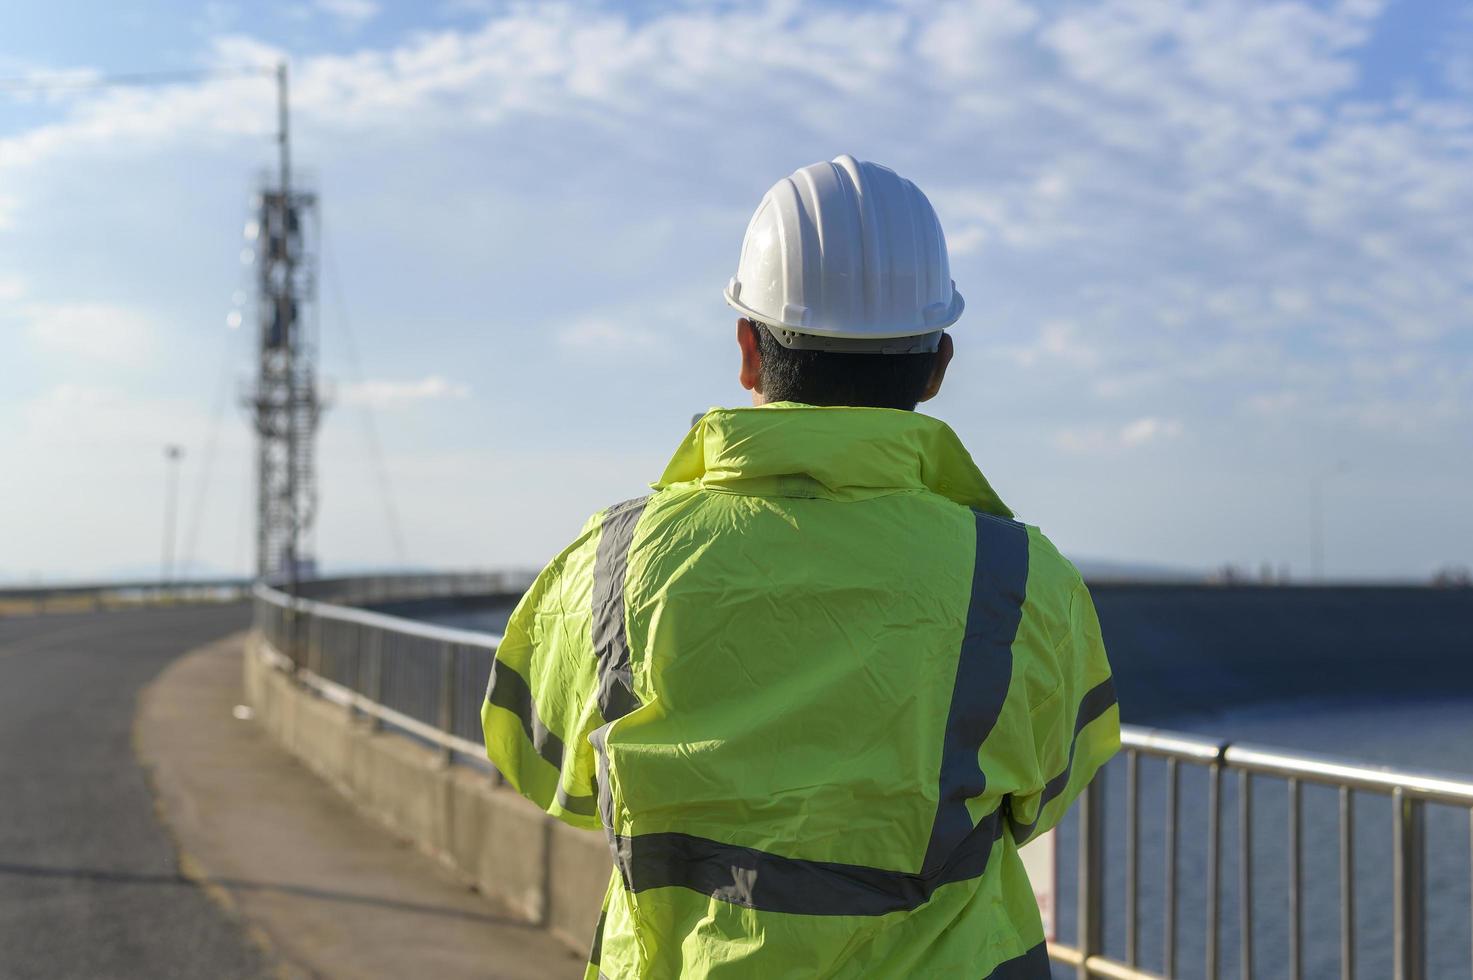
(816, 689)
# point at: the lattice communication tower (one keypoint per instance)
(285, 401)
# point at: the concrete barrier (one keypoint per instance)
(551, 874)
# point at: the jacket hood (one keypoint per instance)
(793, 450)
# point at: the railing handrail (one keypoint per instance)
(1328, 770)
(383, 621)
(1434, 787)
(1168, 744)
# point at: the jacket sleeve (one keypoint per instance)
(1076, 729)
(540, 702)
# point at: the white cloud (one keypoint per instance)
(12, 288)
(966, 240)
(97, 331)
(1274, 404)
(600, 336)
(1095, 440)
(351, 14)
(1168, 212)
(1059, 341)
(969, 42)
(385, 394)
(1149, 429)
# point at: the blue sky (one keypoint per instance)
(1209, 250)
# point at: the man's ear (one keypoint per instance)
(938, 370)
(750, 374)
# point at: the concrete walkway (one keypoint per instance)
(329, 893)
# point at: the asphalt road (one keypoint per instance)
(89, 882)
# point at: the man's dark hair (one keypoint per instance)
(821, 377)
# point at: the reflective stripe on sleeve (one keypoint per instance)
(508, 689)
(610, 641)
(584, 806)
(1095, 703)
(1032, 965)
(596, 951)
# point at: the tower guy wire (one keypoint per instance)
(199, 503)
(370, 425)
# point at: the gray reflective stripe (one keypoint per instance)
(508, 689)
(596, 951)
(584, 806)
(1032, 965)
(610, 641)
(599, 739)
(1095, 703)
(957, 850)
(772, 883)
(984, 671)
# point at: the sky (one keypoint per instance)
(1215, 254)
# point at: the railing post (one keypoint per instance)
(1296, 877)
(1214, 862)
(295, 643)
(1132, 857)
(1347, 884)
(1409, 861)
(1168, 915)
(1245, 874)
(374, 689)
(447, 695)
(1091, 913)
(314, 645)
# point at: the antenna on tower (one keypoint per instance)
(285, 401)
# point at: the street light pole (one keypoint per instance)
(172, 455)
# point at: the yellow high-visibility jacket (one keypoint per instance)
(816, 689)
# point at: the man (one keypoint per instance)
(818, 686)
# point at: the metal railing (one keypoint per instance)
(430, 681)
(362, 590)
(1394, 928)
(426, 680)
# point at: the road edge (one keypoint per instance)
(189, 866)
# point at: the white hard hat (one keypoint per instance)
(847, 255)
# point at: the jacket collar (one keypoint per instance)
(792, 450)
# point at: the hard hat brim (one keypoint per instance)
(953, 314)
